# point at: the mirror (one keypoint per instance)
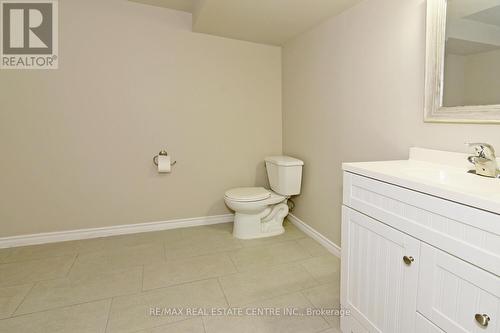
(463, 61)
(472, 53)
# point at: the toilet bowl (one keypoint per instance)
(259, 212)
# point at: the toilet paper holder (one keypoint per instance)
(163, 152)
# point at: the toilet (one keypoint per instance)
(260, 212)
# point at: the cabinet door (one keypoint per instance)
(377, 286)
(425, 326)
(452, 292)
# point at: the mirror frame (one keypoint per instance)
(434, 111)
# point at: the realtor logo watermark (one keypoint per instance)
(29, 34)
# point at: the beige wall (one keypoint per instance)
(353, 91)
(472, 79)
(454, 80)
(482, 78)
(76, 143)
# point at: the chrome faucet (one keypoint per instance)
(485, 160)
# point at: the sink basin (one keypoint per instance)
(454, 179)
(441, 174)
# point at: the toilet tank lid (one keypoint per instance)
(284, 160)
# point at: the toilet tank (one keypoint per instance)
(284, 174)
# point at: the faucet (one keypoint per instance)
(485, 160)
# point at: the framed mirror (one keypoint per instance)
(462, 81)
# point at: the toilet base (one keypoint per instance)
(268, 223)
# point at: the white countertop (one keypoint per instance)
(438, 173)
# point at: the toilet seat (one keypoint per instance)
(247, 194)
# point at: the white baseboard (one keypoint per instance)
(308, 230)
(61, 236)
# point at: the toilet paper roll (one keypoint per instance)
(164, 164)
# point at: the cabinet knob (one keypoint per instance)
(482, 319)
(408, 260)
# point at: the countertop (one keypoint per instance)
(438, 173)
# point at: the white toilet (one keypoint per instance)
(260, 212)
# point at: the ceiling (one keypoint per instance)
(262, 21)
(183, 5)
(467, 47)
(461, 8)
(487, 16)
(473, 26)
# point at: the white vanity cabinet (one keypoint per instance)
(452, 292)
(379, 289)
(414, 261)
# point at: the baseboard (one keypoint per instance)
(314, 234)
(61, 236)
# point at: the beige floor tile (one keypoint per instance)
(325, 269)
(331, 330)
(194, 325)
(278, 323)
(4, 254)
(326, 296)
(252, 286)
(128, 256)
(132, 313)
(195, 246)
(11, 297)
(312, 247)
(291, 233)
(117, 242)
(43, 277)
(222, 229)
(83, 318)
(42, 251)
(81, 289)
(252, 258)
(186, 270)
(34, 270)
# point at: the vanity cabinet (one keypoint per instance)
(422, 325)
(414, 262)
(380, 286)
(452, 292)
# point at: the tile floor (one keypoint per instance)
(112, 284)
